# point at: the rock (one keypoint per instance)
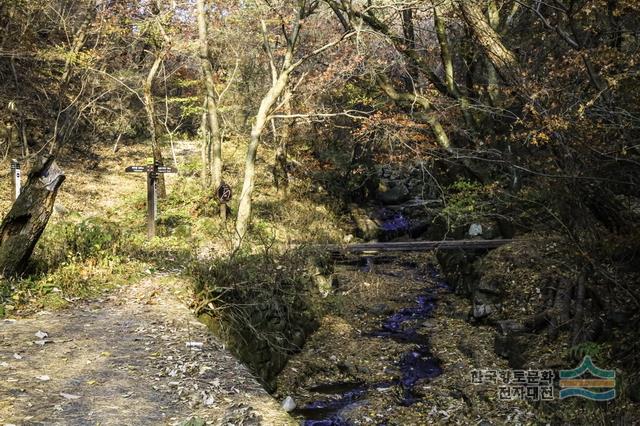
(347, 238)
(491, 286)
(366, 228)
(298, 339)
(482, 311)
(195, 421)
(391, 192)
(418, 227)
(514, 347)
(60, 209)
(347, 367)
(474, 230)
(379, 309)
(510, 326)
(429, 325)
(482, 298)
(491, 231)
(288, 404)
(465, 346)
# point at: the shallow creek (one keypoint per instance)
(373, 356)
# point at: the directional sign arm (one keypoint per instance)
(136, 169)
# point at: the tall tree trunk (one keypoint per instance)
(447, 64)
(491, 74)
(205, 150)
(22, 227)
(504, 60)
(244, 207)
(280, 166)
(279, 83)
(409, 33)
(214, 142)
(149, 108)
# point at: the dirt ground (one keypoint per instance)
(137, 357)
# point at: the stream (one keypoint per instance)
(334, 401)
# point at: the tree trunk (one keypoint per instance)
(151, 120)
(505, 62)
(408, 31)
(244, 207)
(214, 141)
(205, 150)
(22, 227)
(280, 166)
(447, 64)
(491, 74)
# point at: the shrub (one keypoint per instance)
(72, 241)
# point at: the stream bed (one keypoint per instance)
(372, 354)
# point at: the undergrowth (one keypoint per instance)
(263, 304)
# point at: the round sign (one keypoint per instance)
(224, 193)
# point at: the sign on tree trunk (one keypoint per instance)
(22, 227)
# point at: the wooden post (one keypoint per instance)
(153, 171)
(15, 177)
(152, 201)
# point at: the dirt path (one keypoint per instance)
(125, 360)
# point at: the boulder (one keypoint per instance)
(475, 230)
(392, 192)
(366, 228)
(491, 286)
(510, 326)
(288, 404)
(480, 311)
(514, 347)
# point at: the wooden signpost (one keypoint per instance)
(224, 194)
(152, 172)
(15, 177)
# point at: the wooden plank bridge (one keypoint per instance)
(400, 246)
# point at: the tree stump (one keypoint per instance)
(22, 227)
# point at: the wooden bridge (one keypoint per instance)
(372, 248)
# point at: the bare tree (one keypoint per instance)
(149, 106)
(269, 103)
(212, 146)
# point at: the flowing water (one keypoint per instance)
(335, 400)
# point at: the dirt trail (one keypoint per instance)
(124, 360)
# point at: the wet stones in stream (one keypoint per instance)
(409, 364)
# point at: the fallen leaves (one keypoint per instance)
(69, 396)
